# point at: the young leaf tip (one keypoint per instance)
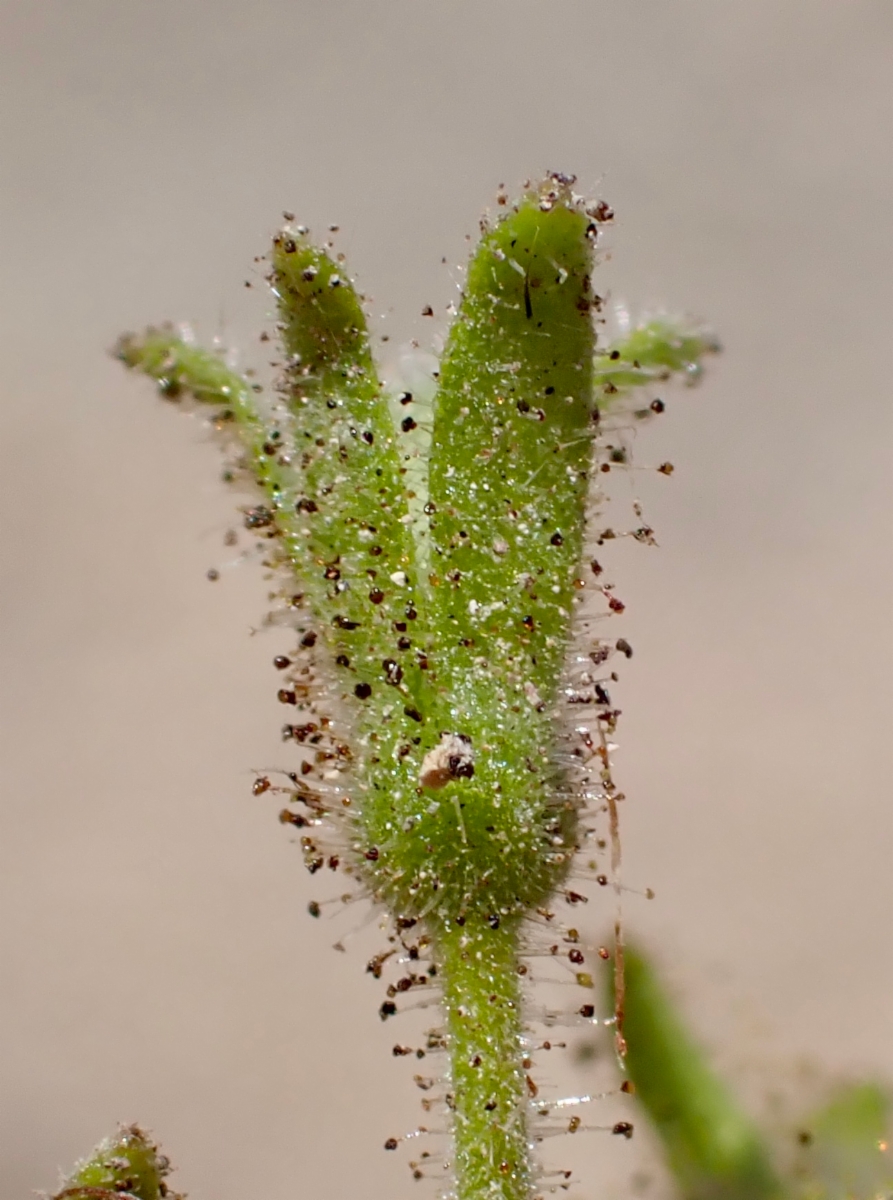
(127, 1166)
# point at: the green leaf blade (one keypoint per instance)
(508, 483)
(353, 507)
(712, 1148)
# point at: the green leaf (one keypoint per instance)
(509, 467)
(712, 1148)
(358, 556)
(653, 352)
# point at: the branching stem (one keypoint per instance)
(444, 618)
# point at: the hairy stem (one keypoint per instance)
(488, 1092)
(509, 472)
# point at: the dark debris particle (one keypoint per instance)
(363, 691)
(623, 1129)
(388, 1009)
(460, 768)
(391, 1144)
(393, 672)
(258, 517)
(407, 424)
(313, 908)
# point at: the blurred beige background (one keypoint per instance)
(157, 962)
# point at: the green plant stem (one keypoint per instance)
(478, 968)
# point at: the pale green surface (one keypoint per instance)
(846, 1153)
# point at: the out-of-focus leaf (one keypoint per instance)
(712, 1148)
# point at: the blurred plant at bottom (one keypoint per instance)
(712, 1149)
(128, 1166)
